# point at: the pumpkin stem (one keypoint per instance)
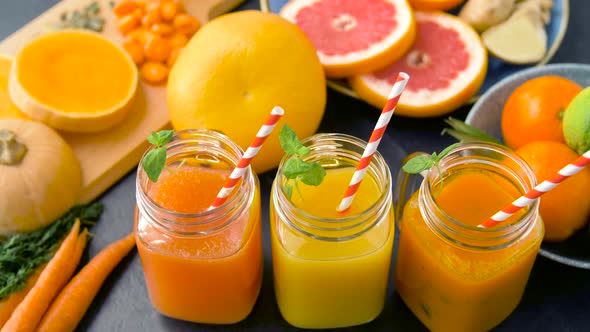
(11, 151)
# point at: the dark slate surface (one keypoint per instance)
(557, 297)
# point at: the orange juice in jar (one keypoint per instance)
(200, 265)
(332, 269)
(453, 275)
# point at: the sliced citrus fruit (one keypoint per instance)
(354, 37)
(447, 65)
(435, 4)
(7, 108)
(73, 80)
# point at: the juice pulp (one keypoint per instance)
(211, 278)
(326, 284)
(451, 288)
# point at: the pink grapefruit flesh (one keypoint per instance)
(353, 37)
(447, 65)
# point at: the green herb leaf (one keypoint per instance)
(288, 187)
(418, 164)
(303, 151)
(314, 176)
(466, 133)
(295, 168)
(21, 254)
(291, 143)
(161, 137)
(154, 162)
(446, 151)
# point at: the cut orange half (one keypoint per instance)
(447, 65)
(354, 37)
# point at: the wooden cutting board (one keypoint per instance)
(107, 156)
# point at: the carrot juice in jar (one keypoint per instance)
(332, 269)
(453, 275)
(200, 265)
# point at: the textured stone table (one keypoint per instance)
(557, 297)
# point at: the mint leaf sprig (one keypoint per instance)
(155, 160)
(296, 169)
(466, 133)
(422, 163)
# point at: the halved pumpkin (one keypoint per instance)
(74, 80)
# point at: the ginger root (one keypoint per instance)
(482, 14)
(521, 39)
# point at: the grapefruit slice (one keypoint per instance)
(354, 37)
(435, 4)
(447, 65)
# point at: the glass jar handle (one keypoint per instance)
(405, 186)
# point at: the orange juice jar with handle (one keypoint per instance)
(453, 275)
(331, 269)
(200, 265)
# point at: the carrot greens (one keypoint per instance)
(21, 254)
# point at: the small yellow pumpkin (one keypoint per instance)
(74, 80)
(40, 176)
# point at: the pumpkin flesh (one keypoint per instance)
(75, 72)
(7, 108)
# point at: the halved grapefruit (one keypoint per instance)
(447, 65)
(354, 37)
(435, 4)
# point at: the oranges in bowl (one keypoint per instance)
(527, 111)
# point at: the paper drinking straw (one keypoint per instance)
(244, 162)
(386, 113)
(545, 186)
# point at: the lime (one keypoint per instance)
(576, 122)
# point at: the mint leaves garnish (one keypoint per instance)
(155, 160)
(297, 169)
(466, 133)
(419, 164)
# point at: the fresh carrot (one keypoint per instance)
(69, 307)
(10, 303)
(56, 274)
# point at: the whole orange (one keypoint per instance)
(534, 110)
(236, 69)
(566, 208)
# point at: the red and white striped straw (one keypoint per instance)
(545, 186)
(386, 113)
(242, 166)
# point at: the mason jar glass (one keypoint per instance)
(201, 265)
(331, 269)
(453, 275)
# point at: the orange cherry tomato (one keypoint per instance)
(177, 40)
(154, 72)
(135, 50)
(173, 56)
(124, 8)
(128, 23)
(152, 15)
(163, 29)
(157, 49)
(186, 24)
(168, 10)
